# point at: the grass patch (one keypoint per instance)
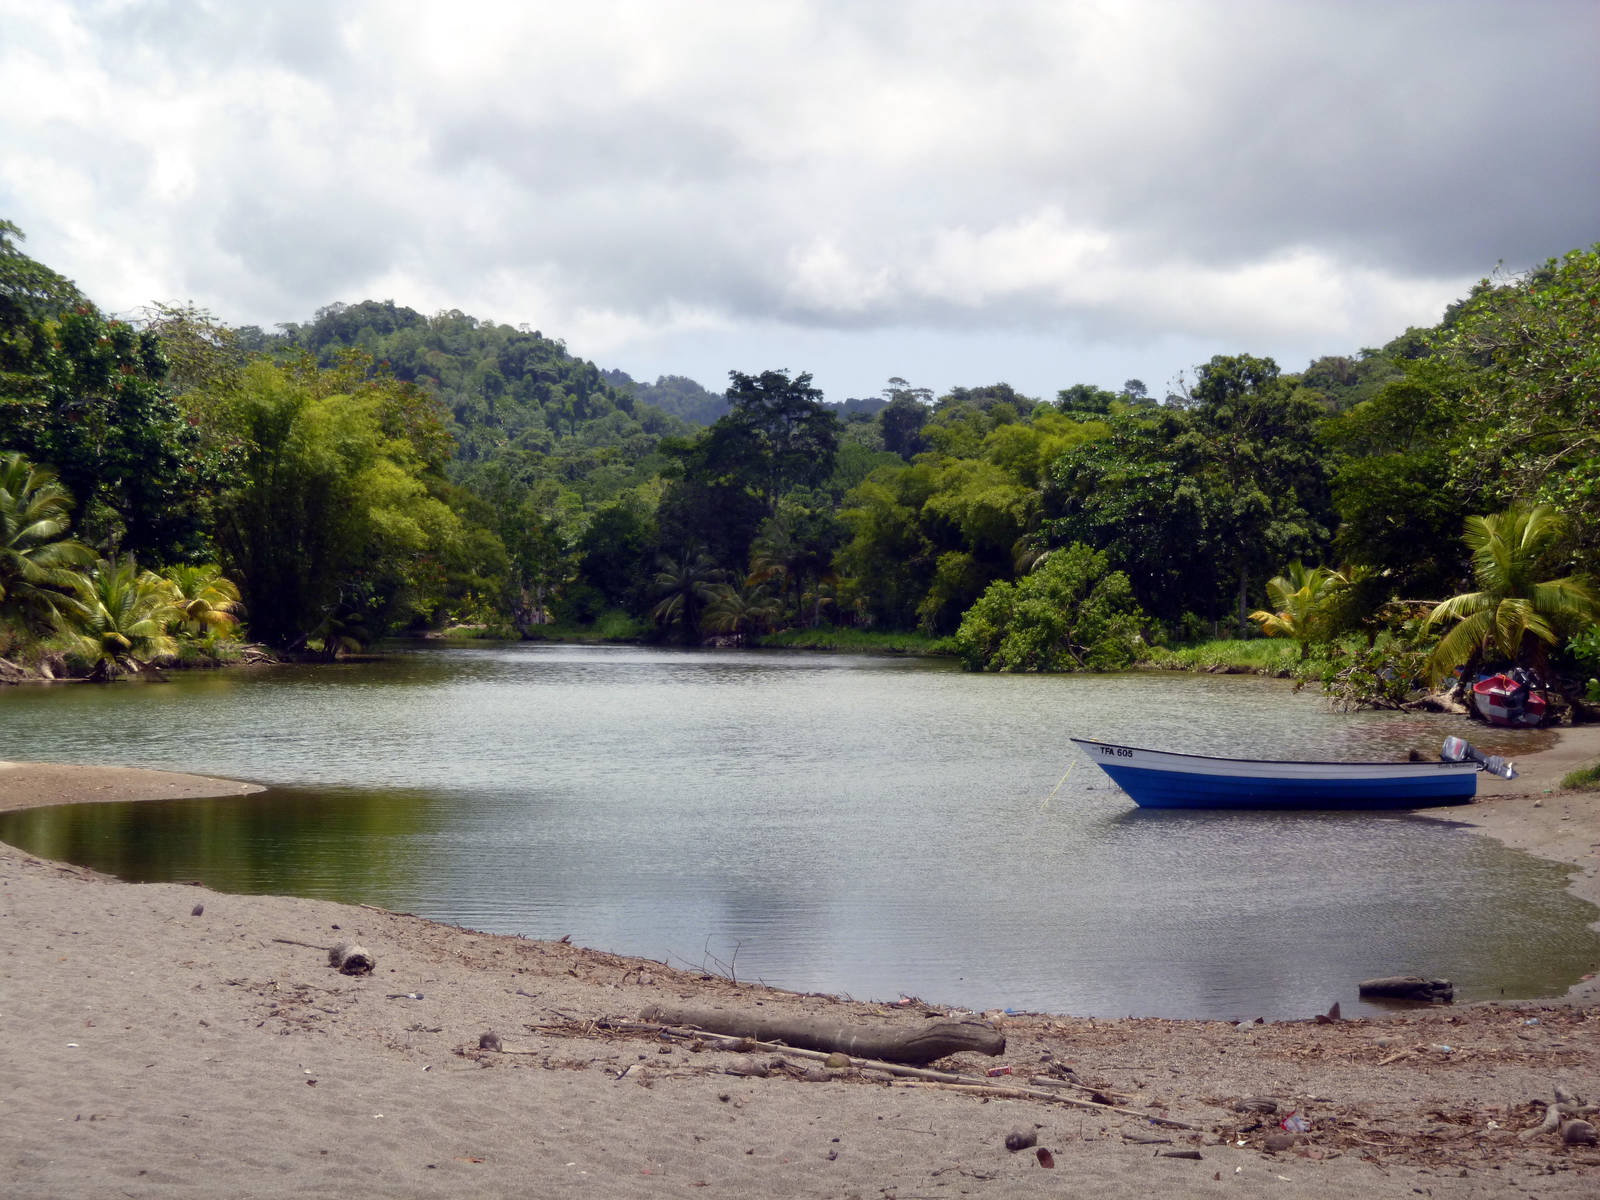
(476, 633)
(1265, 656)
(1584, 779)
(865, 641)
(612, 626)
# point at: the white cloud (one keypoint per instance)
(871, 181)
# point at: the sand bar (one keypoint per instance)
(164, 1040)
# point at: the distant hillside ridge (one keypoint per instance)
(675, 394)
(505, 391)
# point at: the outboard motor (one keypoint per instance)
(1517, 697)
(1460, 750)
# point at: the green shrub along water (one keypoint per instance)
(869, 641)
(1259, 656)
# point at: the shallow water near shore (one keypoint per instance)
(865, 826)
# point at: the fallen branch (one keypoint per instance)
(1565, 1104)
(1552, 1120)
(916, 1046)
(948, 1079)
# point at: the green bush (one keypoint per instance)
(1069, 615)
(1354, 675)
(1586, 649)
(615, 625)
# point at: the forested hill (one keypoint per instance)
(683, 397)
(506, 390)
(674, 394)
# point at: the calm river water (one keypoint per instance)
(866, 826)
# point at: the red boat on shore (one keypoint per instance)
(1508, 700)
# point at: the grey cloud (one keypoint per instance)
(1416, 141)
(615, 148)
(1421, 140)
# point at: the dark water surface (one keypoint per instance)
(869, 826)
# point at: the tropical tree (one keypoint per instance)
(37, 560)
(120, 619)
(94, 405)
(1304, 603)
(901, 421)
(207, 601)
(795, 549)
(1397, 487)
(1528, 354)
(789, 436)
(1072, 614)
(30, 294)
(684, 585)
(333, 510)
(1267, 486)
(738, 611)
(1514, 613)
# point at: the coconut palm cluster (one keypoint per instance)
(104, 616)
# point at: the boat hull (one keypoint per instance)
(1159, 779)
(1500, 701)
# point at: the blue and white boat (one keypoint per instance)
(1160, 779)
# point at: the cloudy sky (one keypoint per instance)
(1044, 192)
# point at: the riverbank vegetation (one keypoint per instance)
(376, 472)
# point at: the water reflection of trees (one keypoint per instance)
(350, 845)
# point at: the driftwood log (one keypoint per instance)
(914, 1045)
(1407, 987)
(351, 959)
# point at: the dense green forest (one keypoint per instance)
(376, 471)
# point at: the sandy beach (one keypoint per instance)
(164, 1040)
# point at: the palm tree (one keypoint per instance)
(343, 630)
(208, 601)
(738, 610)
(120, 618)
(37, 559)
(683, 585)
(1513, 614)
(1304, 599)
(793, 548)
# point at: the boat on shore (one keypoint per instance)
(1509, 700)
(1162, 779)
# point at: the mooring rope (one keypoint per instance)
(1057, 787)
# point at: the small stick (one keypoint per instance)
(1022, 1093)
(1050, 1082)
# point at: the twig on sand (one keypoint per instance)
(307, 945)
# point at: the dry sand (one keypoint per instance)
(169, 1041)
